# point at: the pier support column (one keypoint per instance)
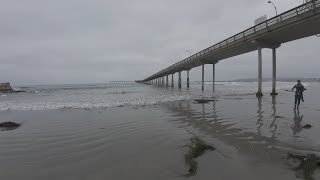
(274, 72)
(167, 80)
(163, 81)
(172, 81)
(179, 80)
(187, 78)
(213, 77)
(259, 93)
(202, 77)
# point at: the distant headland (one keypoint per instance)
(278, 79)
(5, 87)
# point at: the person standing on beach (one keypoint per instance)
(299, 93)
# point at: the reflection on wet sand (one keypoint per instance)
(274, 114)
(209, 120)
(260, 115)
(297, 119)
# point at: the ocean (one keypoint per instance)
(136, 131)
(91, 96)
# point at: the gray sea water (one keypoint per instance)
(113, 95)
(134, 131)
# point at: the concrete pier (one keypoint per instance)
(259, 93)
(188, 79)
(213, 77)
(179, 80)
(296, 23)
(167, 80)
(202, 77)
(172, 80)
(274, 72)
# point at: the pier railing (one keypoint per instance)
(295, 12)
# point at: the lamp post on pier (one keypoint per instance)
(270, 2)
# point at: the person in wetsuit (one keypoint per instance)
(299, 94)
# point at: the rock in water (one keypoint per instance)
(5, 87)
(9, 124)
(203, 101)
(307, 126)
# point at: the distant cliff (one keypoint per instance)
(5, 87)
(279, 79)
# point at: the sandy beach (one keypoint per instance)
(252, 137)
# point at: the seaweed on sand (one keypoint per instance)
(196, 148)
(307, 165)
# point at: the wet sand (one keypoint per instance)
(252, 137)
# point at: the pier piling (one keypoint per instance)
(202, 77)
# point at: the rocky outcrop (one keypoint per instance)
(5, 87)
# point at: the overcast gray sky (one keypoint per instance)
(93, 41)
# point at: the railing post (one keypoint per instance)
(266, 24)
(280, 18)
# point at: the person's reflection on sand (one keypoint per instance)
(297, 119)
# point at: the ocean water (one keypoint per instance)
(113, 95)
(134, 131)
